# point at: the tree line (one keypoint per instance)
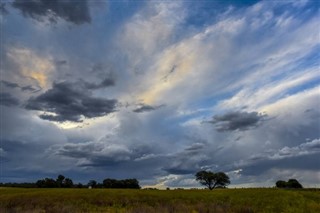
(208, 179)
(63, 182)
(115, 184)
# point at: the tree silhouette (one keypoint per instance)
(292, 183)
(92, 183)
(68, 183)
(126, 183)
(212, 180)
(281, 184)
(60, 180)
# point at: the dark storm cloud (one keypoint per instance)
(7, 99)
(30, 88)
(76, 12)
(180, 171)
(121, 160)
(23, 88)
(237, 121)
(105, 83)
(80, 150)
(69, 102)
(195, 147)
(9, 84)
(146, 108)
(97, 154)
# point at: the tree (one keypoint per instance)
(281, 184)
(68, 183)
(132, 183)
(291, 183)
(60, 180)
(79, 185)
(110, 183)
(212, 180)
(221, 179)
(126, 183)
(40, 183)
(92, 183)
(50, 183)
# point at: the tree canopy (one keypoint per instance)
(291, 183)
(212, 180)
(60, 182)
(63, 182)
(126, 183)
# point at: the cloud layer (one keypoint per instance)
(158, 90)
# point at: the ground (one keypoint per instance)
(14, 200)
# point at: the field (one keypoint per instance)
(142, 201)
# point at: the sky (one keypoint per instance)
(158, 90)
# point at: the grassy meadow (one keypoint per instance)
(164, 201)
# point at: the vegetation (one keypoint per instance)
(61, 195)
(292, 184)
(120, 184)
(212, 180)
(64, 200)
(63, 182)
(60, 182)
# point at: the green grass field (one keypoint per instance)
(143, 201)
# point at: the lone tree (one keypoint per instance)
(212, 180)
(291, 184)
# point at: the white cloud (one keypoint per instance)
(306, 148)
(229, 55)
(150, 30)
(298, 103)
(254, 98)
